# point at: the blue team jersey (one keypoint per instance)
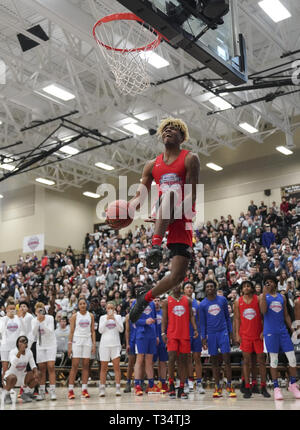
(132, 332)
(144, 330)
(214, 316)
(274, 317)
(196, 313)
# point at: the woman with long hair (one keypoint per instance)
(81, 345)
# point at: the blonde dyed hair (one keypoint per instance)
(10, 301)
(39, 305)
(175, 122)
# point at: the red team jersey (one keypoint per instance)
(172, 177)
(178, 318)
(251, 324)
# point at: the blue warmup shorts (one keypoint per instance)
(131, 348)
(161, 353)
(145, 346)
(278, 342)
(219, 340)
(196, 344)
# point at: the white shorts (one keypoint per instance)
(108, 353)
(81, 351)
(46, 354)
(5, 355)
(20, 377)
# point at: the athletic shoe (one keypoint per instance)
(231, 392)
(191, 386)
(177, 384)
(200, 389)
(154, 389)
(140, 305)
(255, 389)
(144, 386)
(186, 389)
(8, 400)
(217, 393)
(242, 388)
(52, 395)
(26, 398)
(295, 390)
(40, 397)
(71, 395)
(101, 392)
(278, 394)
(181, 394)
(138, 390)
(13, 396)
(154, 257)
(118, 391)
(264, 392)
(20, 393)
(164, 388)
(85, 394)
(172, 392)
(127, 388)
(247, 393)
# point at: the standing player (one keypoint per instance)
(177, 315)
(145, 347)
(162, 353)
(249, 334)
(171, 170)
(216, 333)
(276, 336)
(196, 344)
(82, 343)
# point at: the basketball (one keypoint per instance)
(117, 215)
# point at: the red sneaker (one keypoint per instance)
(164, 388)
(155, 389)
(138, 390)
(85, 394)
(71, 395)
(20, 392)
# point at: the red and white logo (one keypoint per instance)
(33, 242)
(276, 306)
(148, 310)
(111, 324)
(84, 323)
(21, 367)
(158, 318)
(179, 310)
(249, 314)
(12, 327)
(214, 310)
(194, 311)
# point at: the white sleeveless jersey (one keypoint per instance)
(82, 332)
(11, 329)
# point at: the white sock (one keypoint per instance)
(52, 387)
(71, 387)
(26, 390)
(42, 389)
(102, 386)
(118, 385)
(84, 387)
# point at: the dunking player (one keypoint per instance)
(196, 344)
(216, 329)
(171, 170)
(249, 334)
(276, 336)
(177, 314)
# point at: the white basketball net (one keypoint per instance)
(126, 45)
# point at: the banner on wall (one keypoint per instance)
(34, 243)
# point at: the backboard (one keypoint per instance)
(184, 25)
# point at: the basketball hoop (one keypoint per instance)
(125, 39)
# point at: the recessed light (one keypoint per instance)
(154, 59)
(45, 181)
(220, 103)
(92, 195)
(249, 128)
(1, 196)
(104, 166)
(275, 9)
(214, 167)
(136, 129)
(284, 150)
(69, 150)
(8, 167)
(59, 92)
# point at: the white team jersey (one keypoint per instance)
(27, 321)
(18, 365)
(110, 330)
(82, 333)
(44, 331)
(11, 329)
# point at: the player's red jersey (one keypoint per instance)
(173, 178)
(178, 318)
(251, 324)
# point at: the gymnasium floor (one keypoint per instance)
(158, 402)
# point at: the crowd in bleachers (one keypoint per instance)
(263, 239)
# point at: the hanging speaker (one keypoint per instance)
(267, 192)
(27, 43)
